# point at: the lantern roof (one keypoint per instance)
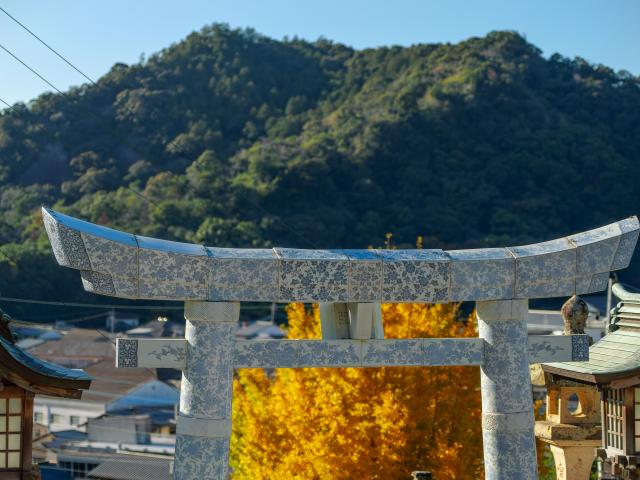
(616, 355)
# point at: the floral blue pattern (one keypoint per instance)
(207, 388)
(146, 268)
(67, 244)
(628, 240)
(111, 257)
(505, 383)
(236, 274)
(415, 275)
(199, 458)
(545, 269)
(482, 274)
(126, 353)
(312, 275)
(173, 276)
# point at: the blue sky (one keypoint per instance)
(95, 34)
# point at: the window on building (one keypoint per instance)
(75, 420)
(38, 417)
(614, 405)
(636, 412)
(79, 470)
(10, 432)
(56, 418)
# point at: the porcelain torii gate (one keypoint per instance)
(349, 285)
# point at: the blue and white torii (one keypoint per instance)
(349, 285)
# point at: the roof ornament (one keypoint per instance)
(575, 312)
(5, 331)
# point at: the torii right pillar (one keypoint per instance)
(507, 406)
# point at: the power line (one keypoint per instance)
(124, 142)
(32, 70)
(41, 77)
(7, 103)
(90, 305)
(10, 258)
(141, 195)
(51, 84)
(256, 204)
(110, 306)
(48, 46)
(56, 316)
(26, 323)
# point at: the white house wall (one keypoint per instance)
(151, 394)
(47, 407)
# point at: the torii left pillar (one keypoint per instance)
(507, 407)
(204, 422)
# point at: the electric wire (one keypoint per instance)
(91, 305)
(70, 304)
(48, 46)
(255, 204)
(9, 257)
(115, 306)
(8, 105)
(32, 70)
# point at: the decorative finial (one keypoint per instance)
(575, 312)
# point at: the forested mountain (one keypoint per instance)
(230, 138)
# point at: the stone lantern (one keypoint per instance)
(597, 403)
(22, 376)
(572, 424)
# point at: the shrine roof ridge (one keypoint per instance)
(120, 264)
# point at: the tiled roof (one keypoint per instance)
(617, 353)
(78, 344)
(134, 468)
(42, 366)
(96, 354)
(158, 415)
(110, 382)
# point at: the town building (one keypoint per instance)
(113, 390)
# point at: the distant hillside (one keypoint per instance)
(233, 139)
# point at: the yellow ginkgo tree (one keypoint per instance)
(361, 423)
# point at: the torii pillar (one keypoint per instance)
(204, 421)
(507, 407)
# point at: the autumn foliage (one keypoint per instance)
(367, 423)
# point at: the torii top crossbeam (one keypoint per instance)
(120, 264)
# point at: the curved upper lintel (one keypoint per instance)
(119, 264)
